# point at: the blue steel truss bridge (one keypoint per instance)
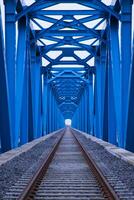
(62, 59)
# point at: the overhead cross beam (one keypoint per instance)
(40, 5)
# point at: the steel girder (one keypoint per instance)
(45, 78)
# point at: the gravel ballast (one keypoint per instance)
(109, 164)
(12, 171)
(113, 167)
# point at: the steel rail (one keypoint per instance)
(102, 181)
(31, 188)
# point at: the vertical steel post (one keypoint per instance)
(5, 131)
(52, 118)
(10, 57)
(34, 78)
(91, 103)
(50, 110)
(20, 79)
(85, 110)
(114, 82)
(98, 99)
(24, 108)
(45, 104)
(31, 126)
(126, 25)
(83, 113)
(130, 123)
(111, 106)
(38, 94)
(104, 94)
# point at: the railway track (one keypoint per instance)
(68, 173)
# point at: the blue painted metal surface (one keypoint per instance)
(67, 63)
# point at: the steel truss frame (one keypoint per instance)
(36, 98)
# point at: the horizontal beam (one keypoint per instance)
(68, 12)
(68, 63)
(65, 68)
(66, 33)
(68, 49)
(41, 4)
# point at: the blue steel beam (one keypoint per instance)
(5, 133)
(10, 49)
(52, 20)
(33, 87)
(44, 102)
(130, 125)
(30, 107)
(98, 98)
(126, 24)
(116, 80)
(65, 12)
(111, 106)
(103, 62)
(40, 5)
(24, 108)
(41, 34)
(20, 75)
(90, 103)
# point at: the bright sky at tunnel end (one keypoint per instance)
(68, 122)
